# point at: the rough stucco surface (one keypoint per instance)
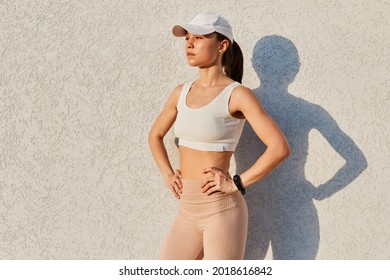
(81, 82)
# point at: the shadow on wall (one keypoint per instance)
(281, 209)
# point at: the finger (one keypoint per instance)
(178, 172)
(178, 182)
(177, 185)
(207, 186)
(209, 169)
(176, 195)
(174, 186)
(175, 192)
(207, 180)
(213, 170)
(213, 190)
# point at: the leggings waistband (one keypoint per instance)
(196, 203)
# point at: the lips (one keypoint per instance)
(190, 54)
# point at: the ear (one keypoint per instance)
(223, 46)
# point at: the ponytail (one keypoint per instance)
(232, 60)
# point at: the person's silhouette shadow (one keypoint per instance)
(281, 209)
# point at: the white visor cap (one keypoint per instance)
(203, 24)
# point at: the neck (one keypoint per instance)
(211, 76)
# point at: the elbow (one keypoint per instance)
(153, 137)
(282, 151)
(150, 136)
(285, 151)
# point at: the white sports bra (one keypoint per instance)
(208, 128)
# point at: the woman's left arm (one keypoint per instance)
(244, 101)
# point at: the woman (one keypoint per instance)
(208, 115)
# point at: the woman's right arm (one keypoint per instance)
(156, 135)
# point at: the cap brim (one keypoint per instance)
(181, 30)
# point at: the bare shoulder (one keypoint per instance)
(175, 95)
(243, 97)
(177, 90)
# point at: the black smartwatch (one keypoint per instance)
(237, 181)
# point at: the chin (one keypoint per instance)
(190, 63)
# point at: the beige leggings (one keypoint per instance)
(210, 227)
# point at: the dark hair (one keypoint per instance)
(232, 60)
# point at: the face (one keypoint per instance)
(203, 50)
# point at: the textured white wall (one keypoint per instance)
(82, 81)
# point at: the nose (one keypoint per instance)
(189, 42)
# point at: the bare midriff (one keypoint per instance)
(192, 162)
